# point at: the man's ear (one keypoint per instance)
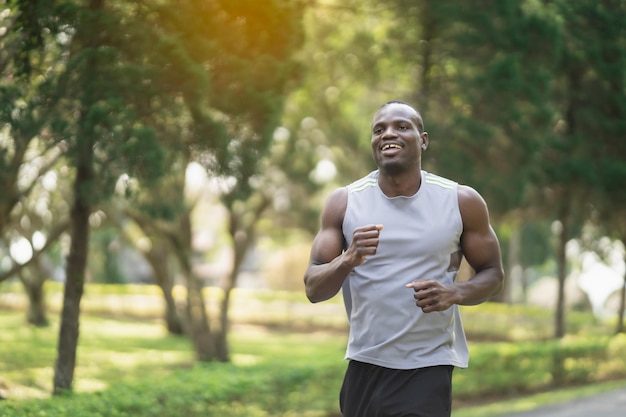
(424, 137)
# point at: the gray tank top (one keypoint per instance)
(420, 239)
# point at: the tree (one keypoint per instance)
(102, 84)
(515, 81)
(264, 44)
(29, 156)
(603, 36)
(351, 71)
(591, 66)
(27, 153)
(129, 65)
(485, 107)
(239, 57)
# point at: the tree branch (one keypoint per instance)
(52, 237)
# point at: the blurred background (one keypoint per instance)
(170, 158)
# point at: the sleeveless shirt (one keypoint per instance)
(420, 239)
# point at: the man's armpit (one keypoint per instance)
(455, 261)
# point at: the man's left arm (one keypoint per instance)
(481, 249)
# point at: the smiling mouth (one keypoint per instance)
(389, 146)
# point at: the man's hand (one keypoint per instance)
(431, 295)
(364, 243)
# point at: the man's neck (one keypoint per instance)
(402, 184)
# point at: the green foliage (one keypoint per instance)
(519, 97)
(104, 257)
(145, 373)
(536, 238)
(512, 323)
(526, 367)
(130, 368)
(291, 310)
(202, 390)
(248, 52)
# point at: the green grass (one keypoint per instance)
(108, 351)
(290, 309)
(127, 364)
(134, 368)
(130, 367)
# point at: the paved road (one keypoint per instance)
(610, 404)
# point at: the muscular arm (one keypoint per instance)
(480, 247)
(329, 265)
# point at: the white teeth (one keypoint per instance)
(391, 145)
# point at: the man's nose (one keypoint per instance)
(388, 132)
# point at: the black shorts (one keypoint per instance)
(373, 391)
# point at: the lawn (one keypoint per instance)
(128, 365)
(133, 368)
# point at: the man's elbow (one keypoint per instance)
(314, 299)
(315, 294)
(309, 290)
(499, 282)
(312, 295)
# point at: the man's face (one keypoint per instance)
(397, 143)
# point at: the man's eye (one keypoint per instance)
(402, 127)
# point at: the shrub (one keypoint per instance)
(515, 368)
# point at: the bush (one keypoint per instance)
(223, 390)
(131, 367)
(498, 369)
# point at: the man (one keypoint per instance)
(394, 241)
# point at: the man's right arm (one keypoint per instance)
(330, 264)
(328, 267)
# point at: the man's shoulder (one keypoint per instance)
(439, 181)
(368, 181)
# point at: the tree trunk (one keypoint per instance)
(33, 280)
(239, 248)
(84, 192)
(157, 256)
(512, 290)
(242, 234)
(622, 301)
(221, 337)
(559, 328)
(241, 243)
(558, 361)
(429, 34)
(200, 330)
(197, 321)
(75, 271)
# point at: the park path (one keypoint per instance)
(608, 404)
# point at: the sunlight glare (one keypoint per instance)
(195, 180)
(49, 181)
(324, 171)
(21, 251)
(39, 240)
